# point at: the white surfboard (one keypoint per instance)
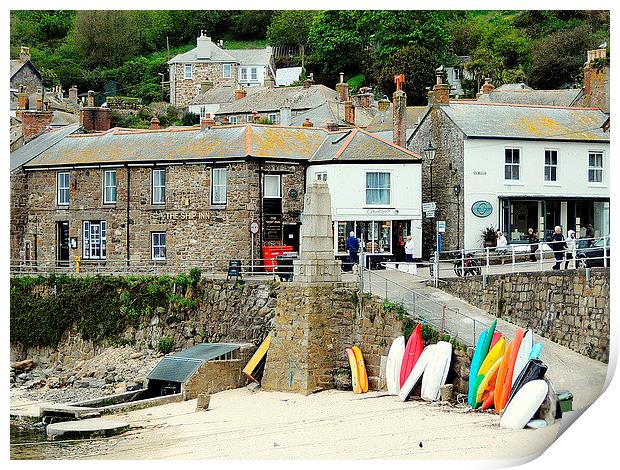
(394, 361)
(416, 372)
(436, 371)
(523, 355)
(524, 405)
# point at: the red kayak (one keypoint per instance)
(414, 348)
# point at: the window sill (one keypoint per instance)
(597, 185)
(218, 207)
(555, 185)
(92, 261)
(62, 206)
(510, 183)
(378, 207)
(159, 260)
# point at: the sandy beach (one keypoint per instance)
(242, 424)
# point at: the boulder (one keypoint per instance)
(23, 366)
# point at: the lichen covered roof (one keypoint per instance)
(534, 97)
(333, 111)
(272, 99)
(527, 122)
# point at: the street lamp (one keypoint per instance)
(429, 155)
(162, 85)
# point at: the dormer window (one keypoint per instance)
(188, 71)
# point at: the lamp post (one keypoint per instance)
(429, 155)
(162, 85)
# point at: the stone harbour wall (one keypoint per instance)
(562, 306)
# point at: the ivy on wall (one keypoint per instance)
(98, 307)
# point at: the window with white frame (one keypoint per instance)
(456, 74)
(321, 176)
(249, 118)
(159, 186)
(244, 73)
(63, 181)
(232, 119)
(378, 188)
(94, 239)
(272, 117)
(218, 186)
(512, 160)
(253, 74)
(227, 70)
(551, 165)
(188, 71)
(595, 167)
(109, 187)
(158, 245)
(272, 186)
(203, 112)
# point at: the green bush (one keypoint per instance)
(164, 345)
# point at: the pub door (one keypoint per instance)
(62, 243)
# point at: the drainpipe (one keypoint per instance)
(128, 196)
(260, 210)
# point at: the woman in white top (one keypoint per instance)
(502, 245)
(571, 244)
(409, 249)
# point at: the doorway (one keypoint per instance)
(552, 217)
(62, 243)
(399, 238)
(290, 234)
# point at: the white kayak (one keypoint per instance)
(436, 371)
(524, 405)
(416, 372)
(523, 355)
(394, 361)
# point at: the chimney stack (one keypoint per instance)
(96, 119)
(255, 116)
(22, 98)
(73, 94)
(349, 112)
(269, 82)
(365, 97)
(208, 121)
(596, 80)
(240, 93)
(285, 114)
(441, 91)
(307, 123)
(342, 88)
(154, 123)
(91, 99)
(24, 54)
(399, 112)
(35, 123)
(308, 82)
(487, 87)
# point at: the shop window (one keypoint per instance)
(109, 187)
(94, 239)
(551, 165)
(188, 69)
(158, 245)
(227, 71)
(159, 186)
(378, 189)
(272, 186)
(218, 186)
(63, 180)
(595, 167)
(511, 164)
(375, 237)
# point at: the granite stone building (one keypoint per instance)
(165, 196)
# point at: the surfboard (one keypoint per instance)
(361, 369)
(256, 365)
(354, 373)
(501, 376)
(512, 359)
(414, 348)
(524, 405)
(416, 373)
(536, 349)
(436, 370)
(523, 355)
(487, 385)
(392, 368)
(482, 349)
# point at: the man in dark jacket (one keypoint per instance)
(353, 247)
(558, 245)
(532, 240)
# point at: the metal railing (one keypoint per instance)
(421, 307)
(586, 252)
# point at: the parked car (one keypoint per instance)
(592, 256)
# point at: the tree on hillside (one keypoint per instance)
(558, 59)
(291, 28)
(418, 64)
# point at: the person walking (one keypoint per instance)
(409, 249)
(571, 244)
(502, 245)
(353, 247)
(532, 240)
(558, 245)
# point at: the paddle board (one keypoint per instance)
(414, 348)
(507, 386)
(523, 355)
(361, 369)
(501, 376)
(416, 373)
(524, 405)
(536, 423)
(354, 373)
(394, 361)
(437, 370)
(256, 365)
(536, 349)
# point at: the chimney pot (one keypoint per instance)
(349, 112)
(24, 54)
(307, 123)
(240, 93)
(91, 99)
(342, 88)
(487, 87)
(154, 123)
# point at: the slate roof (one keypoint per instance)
(118, 146)
(359, 145)
(17, 64)
(506, 121)
(217, 54)
(272, 99)
(513, 87)
(37, 146)
(385, 123)
(534, 97)
(333, 111)
(252, 56)
(221, 94)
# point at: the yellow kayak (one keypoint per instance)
(361, 369)
(495, 352)
(256, 365)
(354, 372)
(488, 382)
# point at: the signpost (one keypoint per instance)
(429, 206)
(254, 228)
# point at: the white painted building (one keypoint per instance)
(376, 192)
